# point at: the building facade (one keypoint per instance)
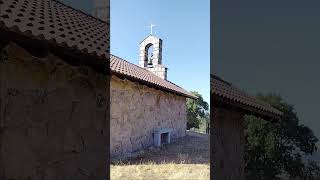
(142, 100)
(230, 104)
(54, 95)
(54, 92)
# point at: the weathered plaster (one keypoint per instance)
(52, 118)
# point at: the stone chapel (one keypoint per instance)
(55, 69)
(143, 100)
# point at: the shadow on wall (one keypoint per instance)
(53, 116)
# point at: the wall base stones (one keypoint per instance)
(136, 110)
(52, 118)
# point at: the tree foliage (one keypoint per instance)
(196, 110)
(274, 149)
(311, 171)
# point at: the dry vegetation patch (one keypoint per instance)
(187, 158)
(166, 171)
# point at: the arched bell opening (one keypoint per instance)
(149, 55)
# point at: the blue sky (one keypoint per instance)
(184, 29)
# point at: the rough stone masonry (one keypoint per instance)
(136, 110)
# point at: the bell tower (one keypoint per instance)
(151, 55)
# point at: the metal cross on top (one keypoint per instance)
(151, 26)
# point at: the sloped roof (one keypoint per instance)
(131, 71)
(61, 25)
(225, 92)
(56, 23)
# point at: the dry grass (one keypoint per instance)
(167, 171)
(188, 158)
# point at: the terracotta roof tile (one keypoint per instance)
(226, 90)
(123, 67)
(52, 21)
(55, 22)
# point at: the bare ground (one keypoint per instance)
(187, 158)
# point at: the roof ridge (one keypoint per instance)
(80, 11)
(220, 79)
(240, 89)
(146, 70)
(154, 76)
(141, 68)
(126, 60)
(132, 63)
(236, 94)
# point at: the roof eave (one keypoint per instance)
(150, 84)
(100, 63)
(267, 115)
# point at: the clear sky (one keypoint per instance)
(183, 26)
(272, 46)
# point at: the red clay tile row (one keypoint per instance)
(53, 21)
(226, 90)
(128, 69)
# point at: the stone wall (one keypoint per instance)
(52, 118)
(228, 144)
(136, 110)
